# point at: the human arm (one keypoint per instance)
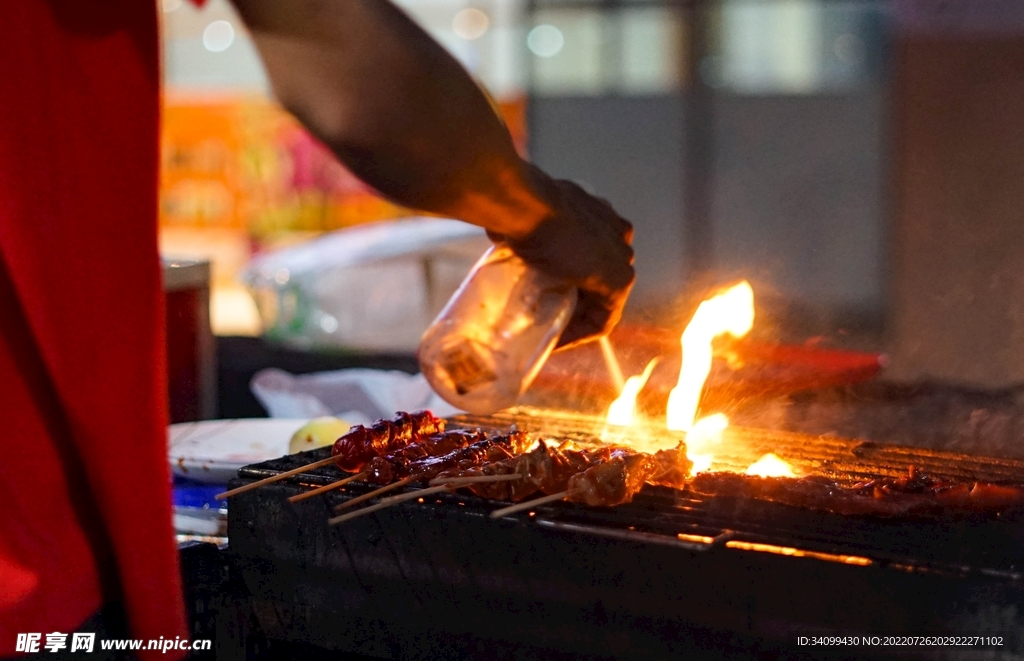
(405, 117)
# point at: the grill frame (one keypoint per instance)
(620, 583)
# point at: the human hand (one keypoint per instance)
(584, 241)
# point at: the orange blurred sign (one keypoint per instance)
(245, 164)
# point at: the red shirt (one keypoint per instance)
(84, 483)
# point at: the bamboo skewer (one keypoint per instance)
(275, 478)
(376, 492)
(438, 485)
(328, 487)
(388, 502)
(529, 504)
(459, 481)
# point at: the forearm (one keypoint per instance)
(396, 108)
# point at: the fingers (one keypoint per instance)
(580, 330)
(624, 227)
(612, 279)
(627, 232)
(585, 242)
(595, 315)
(598, 207)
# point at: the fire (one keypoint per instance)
(622, 412)
(705, 432)
(701, 462)
(771, 466)
(730, 312)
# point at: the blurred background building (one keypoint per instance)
(790, 133)
(790, 142)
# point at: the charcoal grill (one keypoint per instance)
(671, 575)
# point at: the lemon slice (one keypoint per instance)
(317, 433)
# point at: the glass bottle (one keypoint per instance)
(490, 340)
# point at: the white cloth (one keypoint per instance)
(356, 395)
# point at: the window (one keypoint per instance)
(794, 46)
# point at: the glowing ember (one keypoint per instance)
(622, 411)
(771, 466)
(730, 312)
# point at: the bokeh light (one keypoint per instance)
(218, 36)
(545, 40)
(470, 23)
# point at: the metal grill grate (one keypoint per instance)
(666, 516)
(657, 578)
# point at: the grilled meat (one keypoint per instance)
(671, 467)
(612, 482)
(911, 494)
(385, 468)
(361, 444)
(487, 450)
(544, 470)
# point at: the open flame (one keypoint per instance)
(705, 432)
(701, 463)
(622, 412)
(730, 312)
(771, 466)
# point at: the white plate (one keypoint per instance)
(212, 451)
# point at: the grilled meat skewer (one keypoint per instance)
(361, 444)
(488, 450)
(616, 479)
(543, 469)
(436, 454)
(612, 482)
(382, 469)
(604, 476)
